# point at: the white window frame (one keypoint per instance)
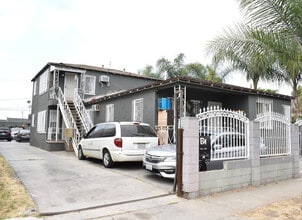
(52, 118)
(35, 87)
(90, 113)
(43, 82)
(263, 105)
(287, 112)
(90, 82)
(41, 122)
(109, 112)
(33, 120)
(138, 110)
(52, 124)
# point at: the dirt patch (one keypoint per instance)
(281, 210)
(15, 201)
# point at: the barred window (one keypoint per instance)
(110, 112)
(264, 106)
(90, 85)
(41, 124)
(137, 109)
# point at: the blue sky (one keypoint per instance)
(117, 34)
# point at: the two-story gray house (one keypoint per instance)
(68, 99)
(58, 112)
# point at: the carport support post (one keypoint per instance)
(179, 161)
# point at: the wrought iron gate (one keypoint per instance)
(228, 132)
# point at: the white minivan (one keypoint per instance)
(117, 142)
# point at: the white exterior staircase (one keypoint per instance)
(75, 117)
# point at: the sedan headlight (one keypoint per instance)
(170, 159)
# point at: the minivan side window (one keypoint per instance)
(96, 132)
(90, 133)
(109, 130)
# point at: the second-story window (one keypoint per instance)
(137, 109)
(35, 87)
(90, 85)
(43, 82)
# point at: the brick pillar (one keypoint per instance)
(295, 150)
(190, 176)
(254, 150)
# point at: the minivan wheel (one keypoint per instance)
(107, 160)
(80, 154)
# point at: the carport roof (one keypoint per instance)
(189, 82)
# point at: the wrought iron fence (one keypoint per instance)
(275, 134)
(299, 124)
(54, 134)
(166, 134)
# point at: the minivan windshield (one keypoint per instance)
(137, 130)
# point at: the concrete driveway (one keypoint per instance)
(60, 183)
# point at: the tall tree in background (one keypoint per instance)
(178, 68)
(172, 69)
(148, 71)
(268, 45)
(283, 19)
(242, 48)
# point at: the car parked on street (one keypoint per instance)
(117, 142)
(5, 134)
(23, 135)
(14, 131)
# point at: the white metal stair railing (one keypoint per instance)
(69, 120)
(83, 113)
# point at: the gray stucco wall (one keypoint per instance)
(123, 108)
(278, 105)
(117, 83)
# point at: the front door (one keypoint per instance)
(71, 83)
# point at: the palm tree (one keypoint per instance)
(242, 48)
(196, 70)
(172, 69)
(268, 45)
(148, 71)
(212, 74)
(284, 20)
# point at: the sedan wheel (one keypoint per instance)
(107, 160)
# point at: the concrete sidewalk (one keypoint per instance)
(219, 206)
